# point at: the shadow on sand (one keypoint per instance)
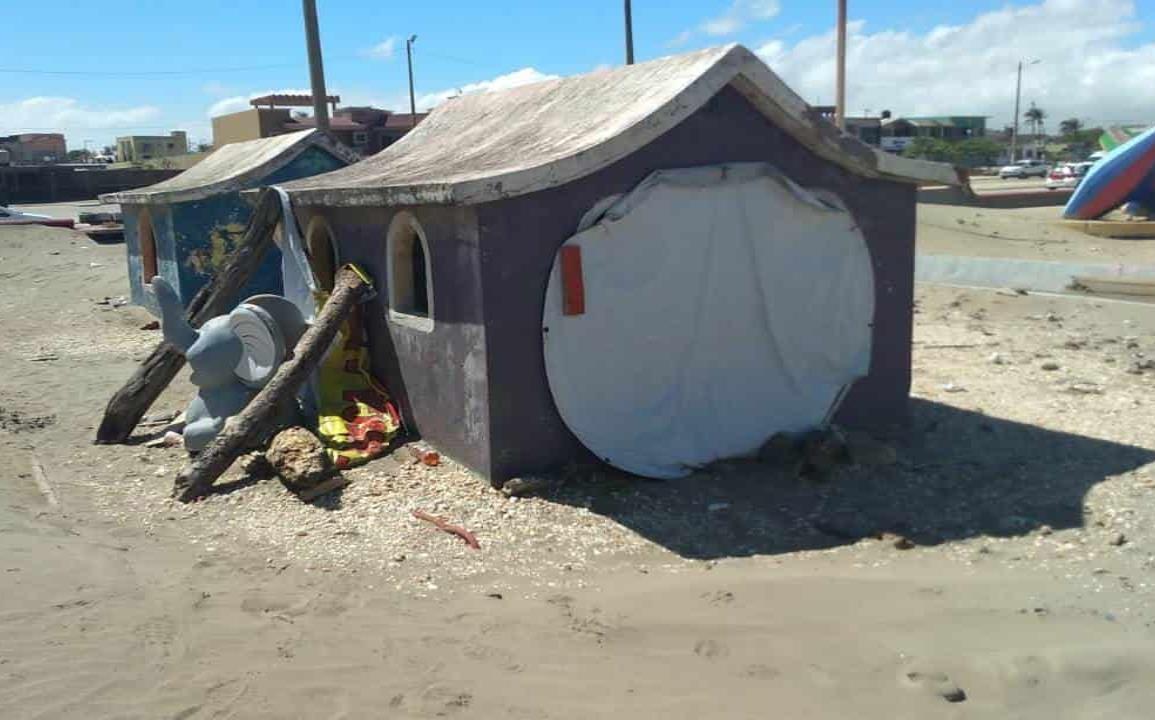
(960, 474)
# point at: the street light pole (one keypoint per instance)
(412, 99)
(840, 71)
(1015, 129)
(316, 68)
(1018, 94)
(629, 35)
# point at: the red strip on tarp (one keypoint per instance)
(573, 288)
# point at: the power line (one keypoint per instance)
(144, 73)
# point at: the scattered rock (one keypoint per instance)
(1118, 539)
(299, 458)
(717, 507)
(1045, 530)
(996, 359)
(953, 388)
(528, 485)
(1050, 365)
(1139, 366)
(169, 439)
(900, 542)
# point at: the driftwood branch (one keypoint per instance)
(197, 479)
(133, 400)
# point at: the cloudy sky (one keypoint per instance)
(119, 67)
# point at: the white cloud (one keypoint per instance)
(524, 76)
(1088, 68)
(228, 105)
(739, 15)
(736, 17)
(78, 121)
(680, 39)
(383, 50)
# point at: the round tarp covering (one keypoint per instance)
(721, 305)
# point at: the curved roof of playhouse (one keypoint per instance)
(233, 167)
(491, 145)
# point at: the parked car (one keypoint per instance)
(1067, 175)
(8, 216)
(1023, 169)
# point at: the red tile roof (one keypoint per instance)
(403, 120)
(290, 100)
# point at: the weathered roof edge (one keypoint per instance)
(736, 66)
(313, 138)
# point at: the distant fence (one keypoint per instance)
(59, 183)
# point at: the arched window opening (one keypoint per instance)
(410, 272)
(322, 252)
(147, 238)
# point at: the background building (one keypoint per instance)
(868, 129)
(366, 130)
(34, 148)
(134, 148)
(898, 133)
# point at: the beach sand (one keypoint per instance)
(1026, 496)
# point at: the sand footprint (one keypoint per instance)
(710, 649)
(935, 682)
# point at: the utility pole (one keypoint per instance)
(629, 35)
(316, 68)
(412, 99)
(840, 72)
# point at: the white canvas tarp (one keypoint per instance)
(722, 305)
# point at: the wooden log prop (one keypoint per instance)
(133, 400)
(247, 427)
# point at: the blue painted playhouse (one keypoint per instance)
(183, 228)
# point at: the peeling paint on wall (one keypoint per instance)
(222, 241)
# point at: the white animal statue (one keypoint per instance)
(231, 356)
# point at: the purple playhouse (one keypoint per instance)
(658, 265)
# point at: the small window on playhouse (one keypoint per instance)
(410, 274)
(322, 252)
(147, 237)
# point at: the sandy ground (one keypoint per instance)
(68, 209)
(1025, 482)
(1032, 233)
(992, 183)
